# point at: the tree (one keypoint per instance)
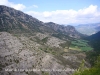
(95, 70)
(68, 44)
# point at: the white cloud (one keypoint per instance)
(35, 6)
(86, 15)
(31, 7)
(47, 14)
(90, 14)
(11, 4)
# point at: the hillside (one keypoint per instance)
(95, 41)
(93, 56)
(27, 43)
(13, 21)
(66, 30)
(98, 28)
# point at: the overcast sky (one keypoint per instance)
(59, 11)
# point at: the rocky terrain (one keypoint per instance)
(27, 43)
(67, 30)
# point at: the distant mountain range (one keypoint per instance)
(88, 29)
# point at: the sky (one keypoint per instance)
(59, 11)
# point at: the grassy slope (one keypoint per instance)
(81, 45)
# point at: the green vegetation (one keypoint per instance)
(66, 44)
(61, 36)
(81, 45)
(17, 61)
(45, 73)
(44, 40)
(52, 50)
(1, 66)
(95, 70)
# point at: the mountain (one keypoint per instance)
(95, 41)
(98, 28)
(88, 29)
(31, 47)
(66, 30)
(12, 20)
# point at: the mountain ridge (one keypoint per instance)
(14, 19)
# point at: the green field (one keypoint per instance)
(80, 45)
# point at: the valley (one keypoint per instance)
(27, 43)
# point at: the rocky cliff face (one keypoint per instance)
(11, 19)
(67, 30)
(27, 43)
